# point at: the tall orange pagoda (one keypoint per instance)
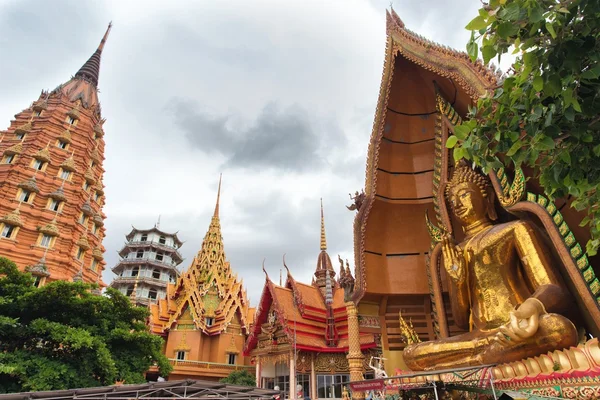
(391, 240)
(300, 335)
(205, 315)
(51, 191)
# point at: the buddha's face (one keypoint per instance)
(468, 203)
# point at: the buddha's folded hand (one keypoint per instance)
(524, 322)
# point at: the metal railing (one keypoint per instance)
(149, 261)
(210, 365)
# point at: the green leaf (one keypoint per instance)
(565, 157)
(507, 29)
(461, 131)
(511, 12)
(451, 142)
(477, 23)
(472, 50)
(488, 53)
(514, 148)
(551, 30)
(546, 143)
(538, 83)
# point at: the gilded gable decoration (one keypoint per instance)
(68, 164)
(14, 149)
(13, 218)
(30, 185)
(65, 136)
(50, 229)
(43, 154)
(23, 129)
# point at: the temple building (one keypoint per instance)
(51, 191)
(300, 334)
(148, 264)
(420, 206)
(205, 315)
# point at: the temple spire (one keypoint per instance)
(216, 214)
(90, 71)
(323, 239)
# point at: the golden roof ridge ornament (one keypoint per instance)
(323, 238)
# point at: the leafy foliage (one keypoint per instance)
(242, 377)
(61, 336)
(545, 113)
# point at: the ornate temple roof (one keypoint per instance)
(315, 314)
(302, 313)
(208, 289)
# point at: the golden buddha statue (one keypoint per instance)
(502, 286)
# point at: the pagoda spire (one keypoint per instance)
(323, 238)
(90, 71)
(210, 260)
(216, 214)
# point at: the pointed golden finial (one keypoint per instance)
(103, 41)
(323, 239)
(218, 197)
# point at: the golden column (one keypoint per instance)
(355, 356)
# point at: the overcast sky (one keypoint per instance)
(277, 95)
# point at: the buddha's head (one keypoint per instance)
(470, 195)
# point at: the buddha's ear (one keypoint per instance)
(491, 205)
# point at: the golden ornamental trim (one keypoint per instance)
(43, 155)
(13, 218)
(98, 254)
(69, 164)
(30, 185)
(14, 149)
(65, 136)
(83, 243)
(23, 129)
(50, 229)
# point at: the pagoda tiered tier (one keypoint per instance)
(148, 264)
(51, 191)
(205, 316)
(301, 332)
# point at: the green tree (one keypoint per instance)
(61, 336)
(242, 377)
(545, 113)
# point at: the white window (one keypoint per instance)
(94, 229)
(135, 271)
(19, 136)
(25, 196)
(71, 120)
(38, 164)
(94, 265)
(86, 185)
(80, 253)
(152, 294)
(8, 231)
(231, 359)
(8, 159)
(54, 204)
(96, 196)
(37, 113)
(83, 219)
(210, 321)
(139, 254)
(181, 355)
(64, 174)
(61, 144)
(159, 256)
(37, 281)
(156, 274)
(46, 240)
(162, 240)
(144, 238)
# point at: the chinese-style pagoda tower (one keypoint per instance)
(205, 316)
(149, 263)
(51, 191)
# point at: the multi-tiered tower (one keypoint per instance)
(149, 264)
(51, 192)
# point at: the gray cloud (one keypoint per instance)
(280, 138)
(292, 88)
